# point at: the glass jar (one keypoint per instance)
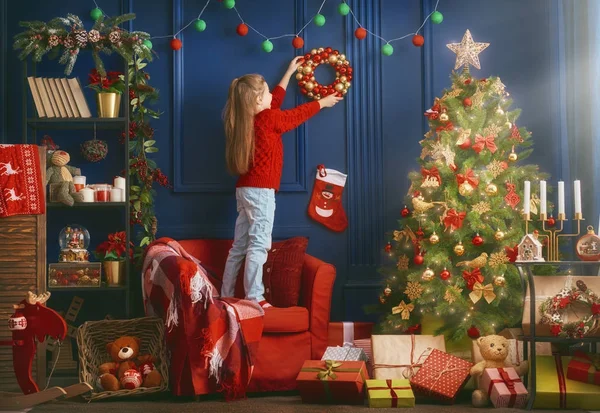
(103, 193)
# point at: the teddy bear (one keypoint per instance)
(494, 350)
(126, 364)
(60, 176)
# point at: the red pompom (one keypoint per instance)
(473, 333)
(176, 44)
(418, 40)
(360, 33)
(242, 29)
(298, 42)
(467, 102)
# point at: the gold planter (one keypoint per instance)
(114, 273)
(108, 104)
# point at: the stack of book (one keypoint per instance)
(58, 98)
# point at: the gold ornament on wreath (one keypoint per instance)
(343, 73)
(588, 246)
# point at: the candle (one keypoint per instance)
(102, 193)
(577, 193)
(543, 210)
(79, 182)
(119, 182)
(88, 194)
(116, 195)
(561, 198)
(527, 198)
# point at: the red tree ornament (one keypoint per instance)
(242, 29)
(418, 259)
(551, 221)
(445, 274)
(298, 42)
(405, 212)
(477, 240)
(176, 44)
(360, 33)
(388, 247)
(418, 40)
(473, 333)
(467, 102)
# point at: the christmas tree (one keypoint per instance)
(463, 216)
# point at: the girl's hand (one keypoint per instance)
(295, 64)
(329, 101)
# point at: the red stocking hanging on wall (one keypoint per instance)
(326, 201)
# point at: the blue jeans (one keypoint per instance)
(253, 228)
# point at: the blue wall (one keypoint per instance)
(373, 136)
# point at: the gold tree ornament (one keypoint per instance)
(413, 290)
(495, 168)
(434, 238)
(459, 249)
(499, 235)
(497, 259)
(500, 281)
(478, 262)
(428, 275)
(402, 263)
(452, 293)
(491, 189)
(492, 130)
(403, 309)
(465, 189)
(498, 87)
(387, 291)
(482, 207)
(485, 291)
(477, 99)
(467, 51)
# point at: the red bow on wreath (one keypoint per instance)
(472, 278)
(595, 309)
(454, 219)
(481, 143)
(469, 177)
(431, 173)
(448, 126)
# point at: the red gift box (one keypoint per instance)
(346, 332)
(327, 381)
(584, 367)
(441, 376)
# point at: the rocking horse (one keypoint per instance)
(31, 320)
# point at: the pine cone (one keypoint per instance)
(154, 227)
(81, 38)
(94, 36)
(53, 40)
(581, 285)
(68, 42)
(114, 37)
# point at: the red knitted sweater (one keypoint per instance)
(269, 125)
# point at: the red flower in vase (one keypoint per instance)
(115, 247)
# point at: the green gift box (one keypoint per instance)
(390, 393)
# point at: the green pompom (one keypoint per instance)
(387, 49)
(267, 46)
(200, 25)
(229, 4)
(344, 9)
(96, 13)
(437, 17)
(320, 20)
(148, 44)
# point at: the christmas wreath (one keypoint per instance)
(553, 309)
(306, 73)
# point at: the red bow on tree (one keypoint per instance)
(472, 277)
(512, 253)
(431, 173)
(454, 219)
(448, 126)
(469, 177)
(416, 329)
(481, 143)
(434, 112)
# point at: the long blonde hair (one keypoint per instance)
(238, 116)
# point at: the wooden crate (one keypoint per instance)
(22, 269)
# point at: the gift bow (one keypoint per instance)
(404, 309)
(472, 277)
(431, 173)
(454, 219)
(592, 359)
(328, 372)
(479, 290)
(469, 177)
(510, 385)
(484, 142)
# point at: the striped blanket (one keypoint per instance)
(221, 334)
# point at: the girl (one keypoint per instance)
(254, 124)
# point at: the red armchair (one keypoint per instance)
(291, 335)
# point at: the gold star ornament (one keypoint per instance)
(467, 51)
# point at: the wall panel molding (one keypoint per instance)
(179, 183)
(3, 69)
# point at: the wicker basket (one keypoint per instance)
(92, 338)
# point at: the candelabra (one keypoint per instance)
(554, 234)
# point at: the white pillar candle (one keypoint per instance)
(543, 210)
(561, 197)
(116, 195)
(577, 194)
(119, 182)
(88, 194)
(527, 198)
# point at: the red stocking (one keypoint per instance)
(326, 201)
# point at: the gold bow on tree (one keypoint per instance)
(329, 372)
(404, 309)
(405, 233)
(480, 290)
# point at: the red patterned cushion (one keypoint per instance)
(282, 273)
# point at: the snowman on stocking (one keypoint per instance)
(326, 201)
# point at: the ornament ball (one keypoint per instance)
(200, 25)
(444, 117)
(465, 189)
(267, 46)
(176, 44)
(434, 238)
(382, 300)
(388, 247)
(437, 17)
(473, 333)
(298, 42)
(418, 259)
(428, 275)
(229, 4)
(445, 274)
(500, 281)
(148, 44)
(418, 40)
(387, 49)
(477, 240)
(360, 33)
(343, 9)
(491, 189)
(320, 20)
(551, 221)
(467, 102)
(499, 235)
(242, 29)
(387, 291)
(459, 249)
(513, 157)
(405, 212)
(96, 13)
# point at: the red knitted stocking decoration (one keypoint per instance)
(326, 201)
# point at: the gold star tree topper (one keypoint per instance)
(467, 51)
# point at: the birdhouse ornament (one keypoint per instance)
(530, 249)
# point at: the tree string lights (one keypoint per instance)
(319, 20)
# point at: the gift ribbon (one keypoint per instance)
(484, 142)
(404, 309)
(392, 392)
(510, 384)
(469, 177)
(454, 219)
(408, 371)
(324, 374)
(431, 173)
(593, 360)
(348, 333)
(562, 386)
(472, 278)
(480, 290)
(436, 375)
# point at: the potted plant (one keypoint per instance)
(108, 89)
(112, 255)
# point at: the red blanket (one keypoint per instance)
(21, 186)
(221, 334)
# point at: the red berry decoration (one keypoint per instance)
(445, 274)
(418, 40)
(418, 259)
(467, 102)
(298, 42)
(360, 33)
(477, 240)
(473, 333)
(405, 212)
(242, 29)
(388, 247)
(551, 221)
(176, 44)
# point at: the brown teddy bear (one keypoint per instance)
(60, 176)
(494, 350)
(127, 362)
